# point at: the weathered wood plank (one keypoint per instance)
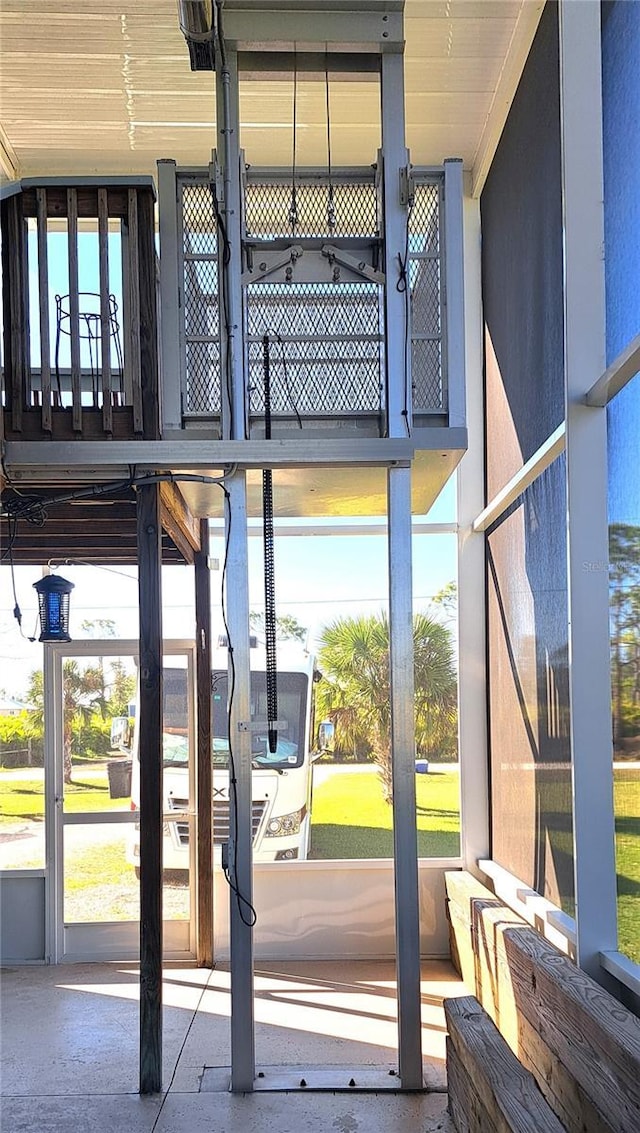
(132, 328)
(204, 845)
(509, 1099)
(15, 334)
(462, 888)
(74, 309)
(588, 1032)
(150, 754)
(105, 312)
(178, 521)
(149, 331)
(43, 297)
(87, 198)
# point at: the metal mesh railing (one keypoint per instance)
(201, 387)
(427, 314)
(327, 346)
(269, 215)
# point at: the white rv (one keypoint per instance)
(281, 781)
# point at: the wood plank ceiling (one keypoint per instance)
(104, 87)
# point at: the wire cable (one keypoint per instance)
(248, 918)
(403, 285)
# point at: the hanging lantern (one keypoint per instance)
(53, 601)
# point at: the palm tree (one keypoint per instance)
(82, 692)
(354, 658)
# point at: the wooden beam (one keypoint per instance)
(204, 794)
(488, 1088)
(150, 754)
(178, 521)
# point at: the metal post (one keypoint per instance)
(394, 158)
(204, 771)
(405, 837)
(240, 847)
(586, 464)
(170, 288)
(454, 292)
(228, 126)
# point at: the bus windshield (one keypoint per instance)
(292, 699)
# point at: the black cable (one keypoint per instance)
(230, 872)
(269, 565)
(403, 285)
(287, 385)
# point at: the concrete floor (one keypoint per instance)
(69, 1056)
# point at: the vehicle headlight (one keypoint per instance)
(286, 824)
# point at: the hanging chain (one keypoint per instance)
(331, 212)
(269, 564)
(293, 208)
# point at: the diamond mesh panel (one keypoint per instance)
(201, 380)
(268, 210)
(424, 221)
(426, 375)
(427, 379)
(329, 358)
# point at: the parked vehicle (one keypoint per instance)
(281, 780)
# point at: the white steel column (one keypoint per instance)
(405, 839)
(394, 158)
(240, 848)
(453, 260)
(586, 462)
(231, 360)
(472, 686)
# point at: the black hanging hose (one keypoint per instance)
(269, 564)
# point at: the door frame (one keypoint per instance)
(107, 940)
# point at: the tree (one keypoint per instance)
(288, 628)
(624, 582)
(82, 693)
(354, 658)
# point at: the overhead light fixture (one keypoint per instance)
(53, 607)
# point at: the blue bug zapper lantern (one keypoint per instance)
(53, 601)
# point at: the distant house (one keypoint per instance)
(10, 707)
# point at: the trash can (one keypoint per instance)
(119, 772)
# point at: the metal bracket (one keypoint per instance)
(407, 186)
(215, 178)
(271, 262)
(262, 725)
(359, 267)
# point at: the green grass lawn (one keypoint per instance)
(22, 796)
(627, 810)
(350, 818)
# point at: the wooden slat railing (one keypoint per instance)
(92, 372)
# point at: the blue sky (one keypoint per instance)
(318, 578)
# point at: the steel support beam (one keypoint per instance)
(453, 283)
(204, 796)
(173, 350)
(586, 473)
(236, 598)
(232, 350)
(396, 310)
(405, 838)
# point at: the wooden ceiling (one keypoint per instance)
(101, 530)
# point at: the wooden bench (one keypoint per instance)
(580, 1044)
